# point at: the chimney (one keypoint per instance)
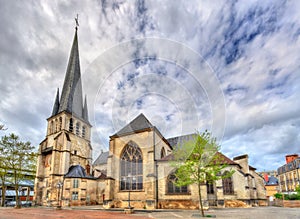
(266, 177)
(243, 161)
(291, 157)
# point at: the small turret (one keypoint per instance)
(56, 104)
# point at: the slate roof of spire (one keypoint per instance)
(71, 99)
(138, 124)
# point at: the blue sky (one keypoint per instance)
(227, 66)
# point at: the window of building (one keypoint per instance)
(227, 186)
(210, 188)
(246, 182)
(131, 168)
(253, 183)
(74, 195)
(83, 131)
(162, 153)
(56, 125)
(71, 125)
(172, 188)
(60, 123)
(77, 128)
(75, 183)
(51, 127)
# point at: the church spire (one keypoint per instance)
(56, 104)
(71, 97)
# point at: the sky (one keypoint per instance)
(230, 67)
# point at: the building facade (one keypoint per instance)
(289, 174)
(136, 170)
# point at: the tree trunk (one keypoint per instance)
(200, 199)
(3, 190)
(17, 190)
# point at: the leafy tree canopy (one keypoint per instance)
(17, 158)
(199, 161)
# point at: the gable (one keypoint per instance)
(140, 123)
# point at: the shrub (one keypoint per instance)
(278, 195)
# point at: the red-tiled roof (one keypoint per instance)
(226, 159)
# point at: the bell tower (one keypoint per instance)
(68, 135)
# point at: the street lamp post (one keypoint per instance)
(129, 180)
(59, 186)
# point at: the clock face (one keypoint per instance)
(48, 160)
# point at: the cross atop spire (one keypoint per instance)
(76, 22)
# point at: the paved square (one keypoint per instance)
(96, 212)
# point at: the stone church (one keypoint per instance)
(135, 171)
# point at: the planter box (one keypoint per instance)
(287, 203)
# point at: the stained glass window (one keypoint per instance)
(131, 163)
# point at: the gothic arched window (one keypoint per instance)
(227, 185)
(56, 125)
(51, 127)
(71, 125)
(60, 123)
(162, 153)
(83, 131)
(131, 163)
(77, 128)
(172, 188)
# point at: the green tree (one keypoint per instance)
(198, 161)
(19, 159)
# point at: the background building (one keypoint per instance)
(289, 174)
(25, 189)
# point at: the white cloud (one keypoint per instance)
(253, 47)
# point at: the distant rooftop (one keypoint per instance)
(77, 171)
(101, 159)
(272, 181)
(179, 140)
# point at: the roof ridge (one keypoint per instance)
(137, 124)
